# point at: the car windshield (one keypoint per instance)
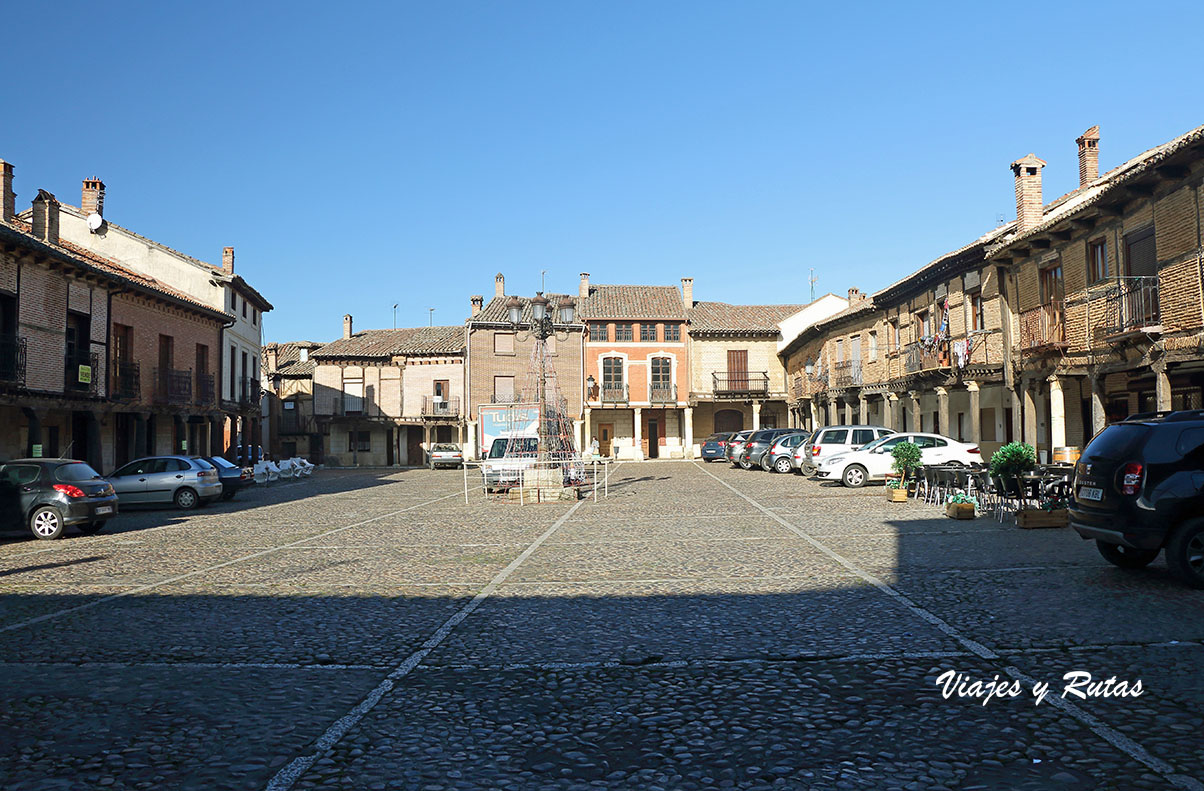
(204, 465)
(874, 444)
(523, 446)
(218, 461)
(72, 473)
(446, 447)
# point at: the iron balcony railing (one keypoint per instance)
(846, 373)
(173, 386)
(504, 398)
(206, 391)
(440, 407)
(12, 360)
(126, 381)
(662, 394)
(1133, 305)
(82, 372)
(740, 384)
(920, 356)
(248, 391)
(1043, 326)
(614, 394)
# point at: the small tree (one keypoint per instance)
(906, 456)
(1013, 460)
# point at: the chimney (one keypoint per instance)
(687, 292)
(1028, 191)
(478, 302)
(347, 326)
(1088, 156)
(92, 199)
(228, 260)
(270, 356)
(583, 288)
(46, 217)
(499, 285)
(854, 296)
(8, 198)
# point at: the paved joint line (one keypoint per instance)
(1095, 725)
(291, 772)
(190, 665)
(179, 577)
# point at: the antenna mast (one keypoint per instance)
(813, 279)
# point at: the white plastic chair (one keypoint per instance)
(261, 473)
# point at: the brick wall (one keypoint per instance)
(484, 365)
(149, 320)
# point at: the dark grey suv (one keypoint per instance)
(1139, 489)
(760, 443)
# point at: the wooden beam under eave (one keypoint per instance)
(1042, 244)
(1021, 252)
(1083, 223)
(1062, 236)
(1172, 171)
(1113, 209)
(1140, 190)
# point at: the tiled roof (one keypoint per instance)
(389, 343)
(632, 302)
(707, 317)
(495, 311)
(116, 271)
(288, 358)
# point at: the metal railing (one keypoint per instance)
(1133, 305)
(440, 407)
(126, 381)
(614, 394)
(740, 384)
(1043, 326)
(12, 360)
(504, 398)
(920, 356)
(248, 391)
(846, 373)
(662, 394)
(206, 391)
(349, 404)
(173, 386)
(81, 373)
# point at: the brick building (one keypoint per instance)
(499, 362)
(288, 377)
(382, 397)
(77, 331)
(637, 369)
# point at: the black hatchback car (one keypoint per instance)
(47, 495)
(230, 474)
(1139, 489)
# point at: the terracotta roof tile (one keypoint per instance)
(706, 317)
(288, 358)
(494, 312)
(632, 302)
(390, 343)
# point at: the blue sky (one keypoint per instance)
(361, 155)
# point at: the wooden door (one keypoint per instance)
(737, 369)
(606, 438)
(652, 440)
(414, 446)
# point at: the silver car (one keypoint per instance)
(446, 455)
(834, 440)
(179, 480)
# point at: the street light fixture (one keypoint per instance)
(542, 325)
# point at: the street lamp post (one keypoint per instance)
(541, 326)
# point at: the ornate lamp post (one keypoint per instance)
(541, 327)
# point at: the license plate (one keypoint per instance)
(104, 509)
(1090, 493)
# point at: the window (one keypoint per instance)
(862, 436)
(977, 320)
(673, 333)
(233, 302)
(647, 332)
(255, 316)
(599, 332)
(503, 343)
(360, 441)
(612, 373)
(839, 349)
(233, 373)
(1141, 259)
(244, 307)
(892, 336)
(503, 389)
(623, 332)
(662, 373)
(923, 325)
(834, 437)
(873, 350)
(202, 359)
(353, 396)
(1097, 260)
(1051, 285)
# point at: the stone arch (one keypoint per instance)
(729, 420)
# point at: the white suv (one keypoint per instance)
(855, 468)
(833, 440)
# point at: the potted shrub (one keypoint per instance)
(1013, 460)
(961, 506)
(905, 458)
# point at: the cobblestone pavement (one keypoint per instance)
(701, 628)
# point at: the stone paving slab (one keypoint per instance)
(587, 526)
(140, 727)
(814, 725)
(98, 564)
(632, 622)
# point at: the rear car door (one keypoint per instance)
(22, 489)
(165, 475)
(861, 436)
(130, 481)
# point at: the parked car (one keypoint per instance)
(780, 456)
(504, 465)
(856, 468)
(715, 446)
(758, 445)
(47, 495)
(231, 475)
(1139, 489)
(735, 445)
(180, 480)
(446, 455)
(835, 440)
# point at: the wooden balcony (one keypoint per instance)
(920, 356)
(740, 384)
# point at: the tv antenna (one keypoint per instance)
(1000, 219)
(394, 315)
(813, 279)
(542, 274)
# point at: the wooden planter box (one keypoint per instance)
(1035, 517)
(896, 495)
(960, 510)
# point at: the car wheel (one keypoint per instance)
(745, 465)
(185, 499)
(91, 528)
(783, 465)
(46, 523)
(1126, 557)
(765, 463)
(854, 476)
(1185, 553)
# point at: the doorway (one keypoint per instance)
(414, 446)
(606, 436)
(389, 457)
(653, 441)
(729, 420)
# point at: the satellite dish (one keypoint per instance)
(94, 222)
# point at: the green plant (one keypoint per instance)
(906, 456)
(895, 483)
(1055, 503)
(1013, 459)
(962, 498)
